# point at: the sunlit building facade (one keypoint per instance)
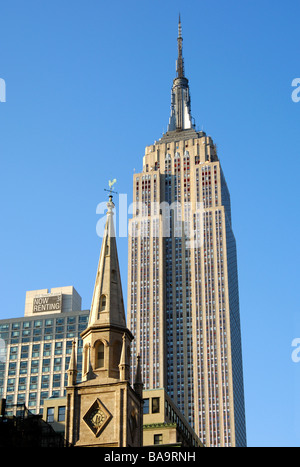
(38, 347)
(183, 300)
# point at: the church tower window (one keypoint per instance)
(100, 355)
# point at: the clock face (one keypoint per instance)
(97, 417)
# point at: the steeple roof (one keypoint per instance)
(107, 305)
(72, 370)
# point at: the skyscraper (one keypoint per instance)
(183, 300)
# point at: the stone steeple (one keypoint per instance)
(180, 118)
(103, 409)
(103, 340)
(107, 304)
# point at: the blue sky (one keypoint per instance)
(88, 87)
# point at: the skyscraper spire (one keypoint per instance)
(180, 67)
(183, 305)
(181, 118)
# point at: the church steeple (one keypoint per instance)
(103, 409)
(103, 339)
(180, 118)
(107, 304)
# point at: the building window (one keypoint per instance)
(100, 355)
(146, 406)
(50, 414)
(13, 353)
(23, 368)
(47, 350)
(57, 364)
(56, 381)
(102, 304)
(58, 348)
(158, 439)
(61, 414)
(155, 405)
(45, 382)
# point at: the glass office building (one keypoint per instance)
(36, 349)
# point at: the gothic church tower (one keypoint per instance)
(103, 409)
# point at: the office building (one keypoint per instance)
(164, 424)
(39, 345)
(183, 299)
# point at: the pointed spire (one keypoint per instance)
(180, 67)
(72, 371)
(107, 304)
(90, 374)
(181, 118)
(123, 366)
(138, 384)
(102, 339)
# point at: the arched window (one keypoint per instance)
(102, 304)
(99, 355)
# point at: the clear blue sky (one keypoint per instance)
(88, 87)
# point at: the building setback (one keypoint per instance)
(183, 300)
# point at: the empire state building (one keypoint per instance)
(183, 299)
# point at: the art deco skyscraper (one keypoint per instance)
(183, 300)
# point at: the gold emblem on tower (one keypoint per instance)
(97, 417)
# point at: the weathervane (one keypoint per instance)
(111, 184)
